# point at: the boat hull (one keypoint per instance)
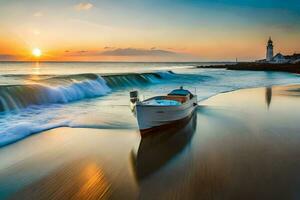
(151, 117)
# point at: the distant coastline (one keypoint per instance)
(253, 66)
(279, 62)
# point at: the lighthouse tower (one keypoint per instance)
(269, 50)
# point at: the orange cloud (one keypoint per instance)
(138, 52)
(83, 6)
(7, 57)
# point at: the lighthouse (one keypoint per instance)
(269, 50)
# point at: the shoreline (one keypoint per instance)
(252, 66)
(4, 145)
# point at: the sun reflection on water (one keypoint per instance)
(35, 75)
(95, 185)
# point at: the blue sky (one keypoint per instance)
(196, 30)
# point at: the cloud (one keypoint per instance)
(81, 52)
(7, 57)
(138, 52)
(38, 14)
(83, 6)
(69, 52)
(107, 47)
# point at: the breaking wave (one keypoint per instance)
(69, 88)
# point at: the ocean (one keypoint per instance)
(39, 96)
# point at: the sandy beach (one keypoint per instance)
(158, 100)
(239, 145)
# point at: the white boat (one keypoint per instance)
(160, 111)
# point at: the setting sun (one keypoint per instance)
(36, 52)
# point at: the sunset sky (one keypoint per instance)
(147, 30)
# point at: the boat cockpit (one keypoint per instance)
(174, 98)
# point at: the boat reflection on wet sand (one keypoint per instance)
(158, 148)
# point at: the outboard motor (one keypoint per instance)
(134, 96)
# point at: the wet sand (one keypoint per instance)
(238, 145)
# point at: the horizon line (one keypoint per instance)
(54, 61)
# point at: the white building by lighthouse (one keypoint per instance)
(279, 58)
(270, 53)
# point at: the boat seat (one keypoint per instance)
(178, 98)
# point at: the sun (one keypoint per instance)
(36, 52)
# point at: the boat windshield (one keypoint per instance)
(180, 92)
(162, 102)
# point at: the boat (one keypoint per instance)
(163, 111)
